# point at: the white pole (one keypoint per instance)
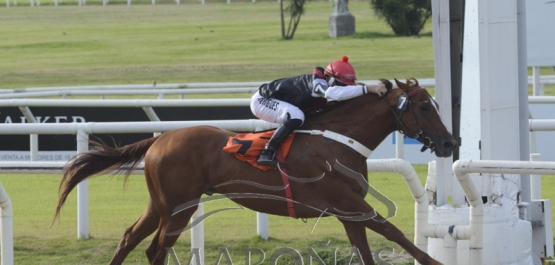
(6, 228)
(399, 145)
(538, 87)
(535, 180)
(82, 192)
(7, 3)
(262, 225)
(197, 233)
(33, 138)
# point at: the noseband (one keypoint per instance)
(426, 141)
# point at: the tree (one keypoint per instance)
(295, 10)
(405, 17)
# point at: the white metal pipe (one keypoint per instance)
(138, 103)
(82, 192)
(255, 84)
(129, 127)
(541, 125)
(503, 166)
(523, 110)
(535, 180)
(418, 192)
(449, 250)
(423, 230)
(425, 82)
(462, 169)
(188, 91)
(33, 138)
(262, 225)
(537, 86)
(541, 100)
(6, 228)
(149, 111)
(43, 167)
(197, 233)
(399, 146)
(31, 167)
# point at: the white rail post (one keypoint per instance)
(33, 138)
(537, 86)
(535, 180)
(262, 227)
(399, 145)
(82, 192)
(6, 228)
(197, 234)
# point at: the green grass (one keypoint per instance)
(113, 208)
(119, 44)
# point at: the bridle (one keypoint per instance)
(404, 104)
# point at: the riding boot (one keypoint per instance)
(268, 154)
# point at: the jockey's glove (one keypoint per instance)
(378, 89)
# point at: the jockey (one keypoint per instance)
(285, 100)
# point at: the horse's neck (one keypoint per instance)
(367, 121)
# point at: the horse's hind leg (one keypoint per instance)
(168, 233)
(143, 227)
(356, 232)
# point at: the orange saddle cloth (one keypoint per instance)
(247, 147)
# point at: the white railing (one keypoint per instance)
(474, 231)
(83, 130)
(180, 89)
(6, 228)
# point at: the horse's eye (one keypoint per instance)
(424, 107)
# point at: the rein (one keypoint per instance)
(403, 104)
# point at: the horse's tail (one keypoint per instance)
(101, 159)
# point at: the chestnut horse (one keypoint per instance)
(182, 165)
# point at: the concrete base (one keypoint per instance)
(342, 24)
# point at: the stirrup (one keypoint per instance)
(267, 158)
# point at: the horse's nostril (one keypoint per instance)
(450, 144)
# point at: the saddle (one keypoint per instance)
(247, 147)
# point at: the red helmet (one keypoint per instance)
(342, 71)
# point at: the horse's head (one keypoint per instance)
(417, 116)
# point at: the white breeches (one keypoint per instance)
(274, 110)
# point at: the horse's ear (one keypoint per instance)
(411, 81)
(401, 85)
(387, 84)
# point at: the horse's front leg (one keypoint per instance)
(380, 225)
(356, 215)
(356, 231)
